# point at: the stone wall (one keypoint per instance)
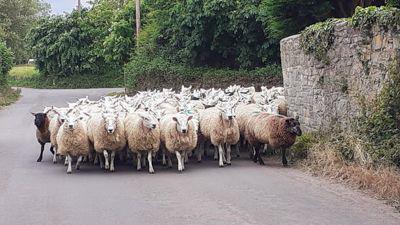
(328, 96)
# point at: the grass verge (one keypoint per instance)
(29, 76)
(8, 95)
(342, 158)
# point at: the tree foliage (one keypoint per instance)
(6, 62)
(91, 41)
(16, 19)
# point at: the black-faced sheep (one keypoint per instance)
(277, 131)
(42, 132)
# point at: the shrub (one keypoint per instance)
(144, 73)
(6, 62)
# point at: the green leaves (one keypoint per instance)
(6, 62)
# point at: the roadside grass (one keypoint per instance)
(29, 76)
(328, 156)
(8, 95)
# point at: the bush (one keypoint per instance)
(144, 73)
(6, 62)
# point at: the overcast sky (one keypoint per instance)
(61, 6)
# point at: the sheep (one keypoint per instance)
(106, 133)
(42, 132)
(178, 136)
(72, 140)
(218, 124)
(277, 131)
(143, 134)
(54, 125)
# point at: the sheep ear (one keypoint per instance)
(190, 117)
(34, 114)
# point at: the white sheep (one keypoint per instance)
(72, 140)
(218, 124)
(107, 134)
(143, 135)
(178, 136)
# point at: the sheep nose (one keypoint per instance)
(153, 126)
(230, 117)
(70, 126)
(184, 131)
(110, 131)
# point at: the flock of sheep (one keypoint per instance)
(156, 125)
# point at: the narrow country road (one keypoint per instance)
(42, 193)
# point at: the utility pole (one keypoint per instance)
(79, 7)
(137, 19)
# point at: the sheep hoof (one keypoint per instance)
(151, 172)
(39, 159)
(69, 172)
(238, 156)
(199, 161)
(77, 168)
(285, 165)
(229, 164)
(221, 166)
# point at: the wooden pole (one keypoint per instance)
(137, 19)
(79, 6)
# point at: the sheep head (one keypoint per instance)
(71, 120)
(293, 126)
(182, 122)
(227, 110)
(148, 119)
(110, 122)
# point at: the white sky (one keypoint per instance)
(61, 6)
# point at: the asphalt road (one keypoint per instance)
(244, 193)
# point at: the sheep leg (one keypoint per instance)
(66, 161)
(69, 169)
(77, 166)
(228, 154)
(164, 161)
(169, 160)
(186, 157)
(96, 159)
(139, 163)
(221, 155)
(179, 158)
(52, 149)
(284, 160)
(100, 160)
(150, 159)
(183, 155)
(41, 152)
(200, 151)
(112, 168)
(258, 155)
(106, 163)
(255, 154)
(237, 148)
(265, 149)
(55, 156)
(215, 153)
(144, 162)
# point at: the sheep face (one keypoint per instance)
(293, 126)
(110, 122)
(227, 111)
(40, 119)
(71, 121)
(182, 122)
(149, 120)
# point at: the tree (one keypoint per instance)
(16, 19)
